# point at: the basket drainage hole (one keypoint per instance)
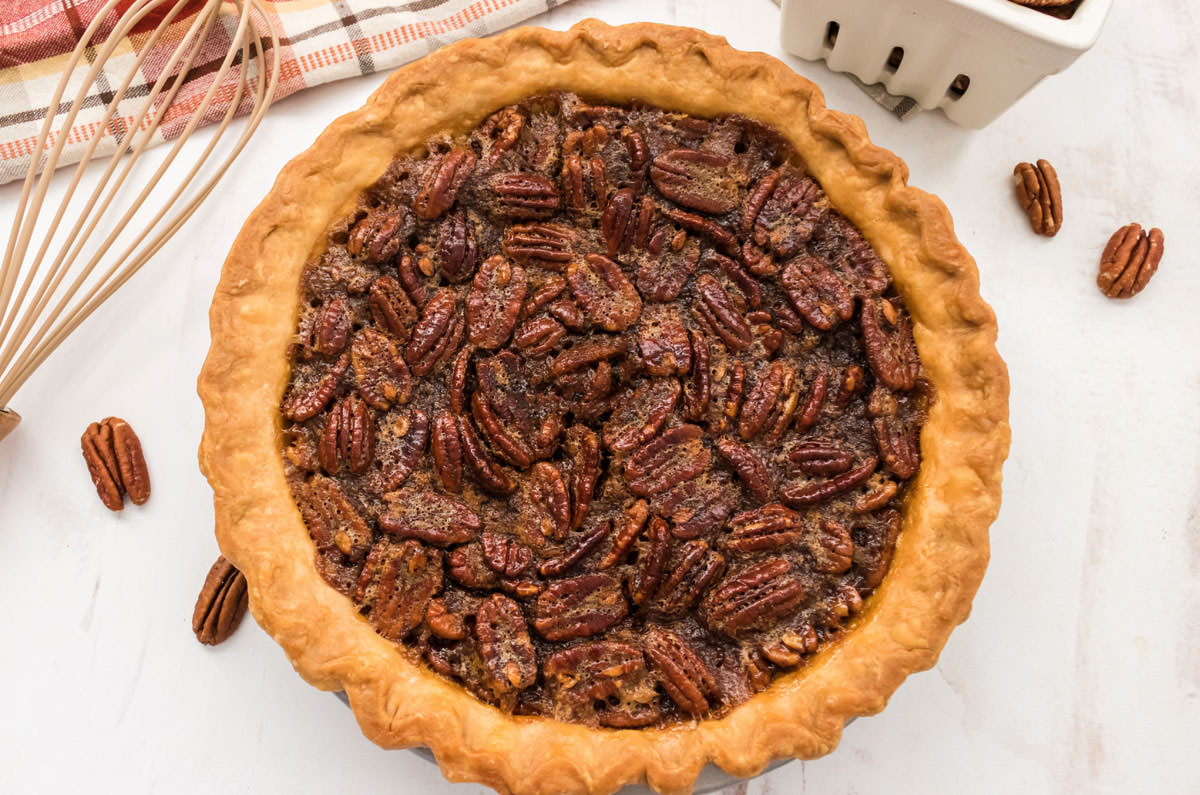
(959, 86)
(894, 59)
(831, 33)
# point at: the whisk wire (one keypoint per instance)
(247, 41)
(68, 252)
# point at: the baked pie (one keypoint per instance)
(593, 405)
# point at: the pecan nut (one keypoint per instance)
(443, 181)
(1129, 260)
(640, 415)
(332, 520)
(749, 467)
(525, 196)
(693, 567)
(676, 455)
(755, 597)
(399, 446)
(816, 292)
(665, 269)
(604, 292)
(494, 302)
(509, 659)
(1040, 196)
(311, 390)
(697, 180)
(888, 339)
(721, 314)
(221, 604)
(814, 492)
(380, 373)
(330, 329)
(764, 529)
(436, 335)
(396, 585)
(349, 437)
(685, 677)
(114, 458)
(544, 245)
(378, 236)
(456, 248)
(430, 517)
(579, 607)
(391, 307)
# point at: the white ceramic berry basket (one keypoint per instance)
(1001, 49)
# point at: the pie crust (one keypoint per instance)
(939, 558)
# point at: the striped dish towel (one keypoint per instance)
(320, 41)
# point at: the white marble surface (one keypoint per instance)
(1077, 672)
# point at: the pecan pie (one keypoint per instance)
(624, 388)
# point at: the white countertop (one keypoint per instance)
(1078, 671)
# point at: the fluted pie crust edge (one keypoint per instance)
(941, 553)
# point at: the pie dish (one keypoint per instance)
(263, 308)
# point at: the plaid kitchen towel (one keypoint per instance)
(319, 41)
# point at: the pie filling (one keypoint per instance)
(603, 412)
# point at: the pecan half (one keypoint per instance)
(631, 527)
(626, 222)
(579, 607)
(494, 302)
(583, 451)
(577, 550)
(693, 568)
(641, 414)
(665, 269)
(525, 196)
(396, 585)
(399, 446)
(378, 236)
(114, 458)
(749, 467)
(676, 455)
(755, 597)
(874, 538)
(831, 547)
(606, 679)
(666, 348)
(544, 245)
(447, 451)
(697, 393)
(456, 248)
(311, 391)
(764, 529)
(443, 180)
(682, 673)
(698, 506)
(697, 180)
(1040, 196)
(505, 555)
(548, 491)
(816, 457)
(800, 495)
(722, 315)
(331, 327)
(816, 292)
(487, 473)
(605, 292)
(888, 339)
(332, 520)
(221, 604)
(895, 435)
(349, 437)
(430, 517)
(1129, 261)
(436, 335)
(391, 307)
(380, 373)
(539, 336)
(509, 659)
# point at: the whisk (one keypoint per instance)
(42, 301)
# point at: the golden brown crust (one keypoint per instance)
(940, 556)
